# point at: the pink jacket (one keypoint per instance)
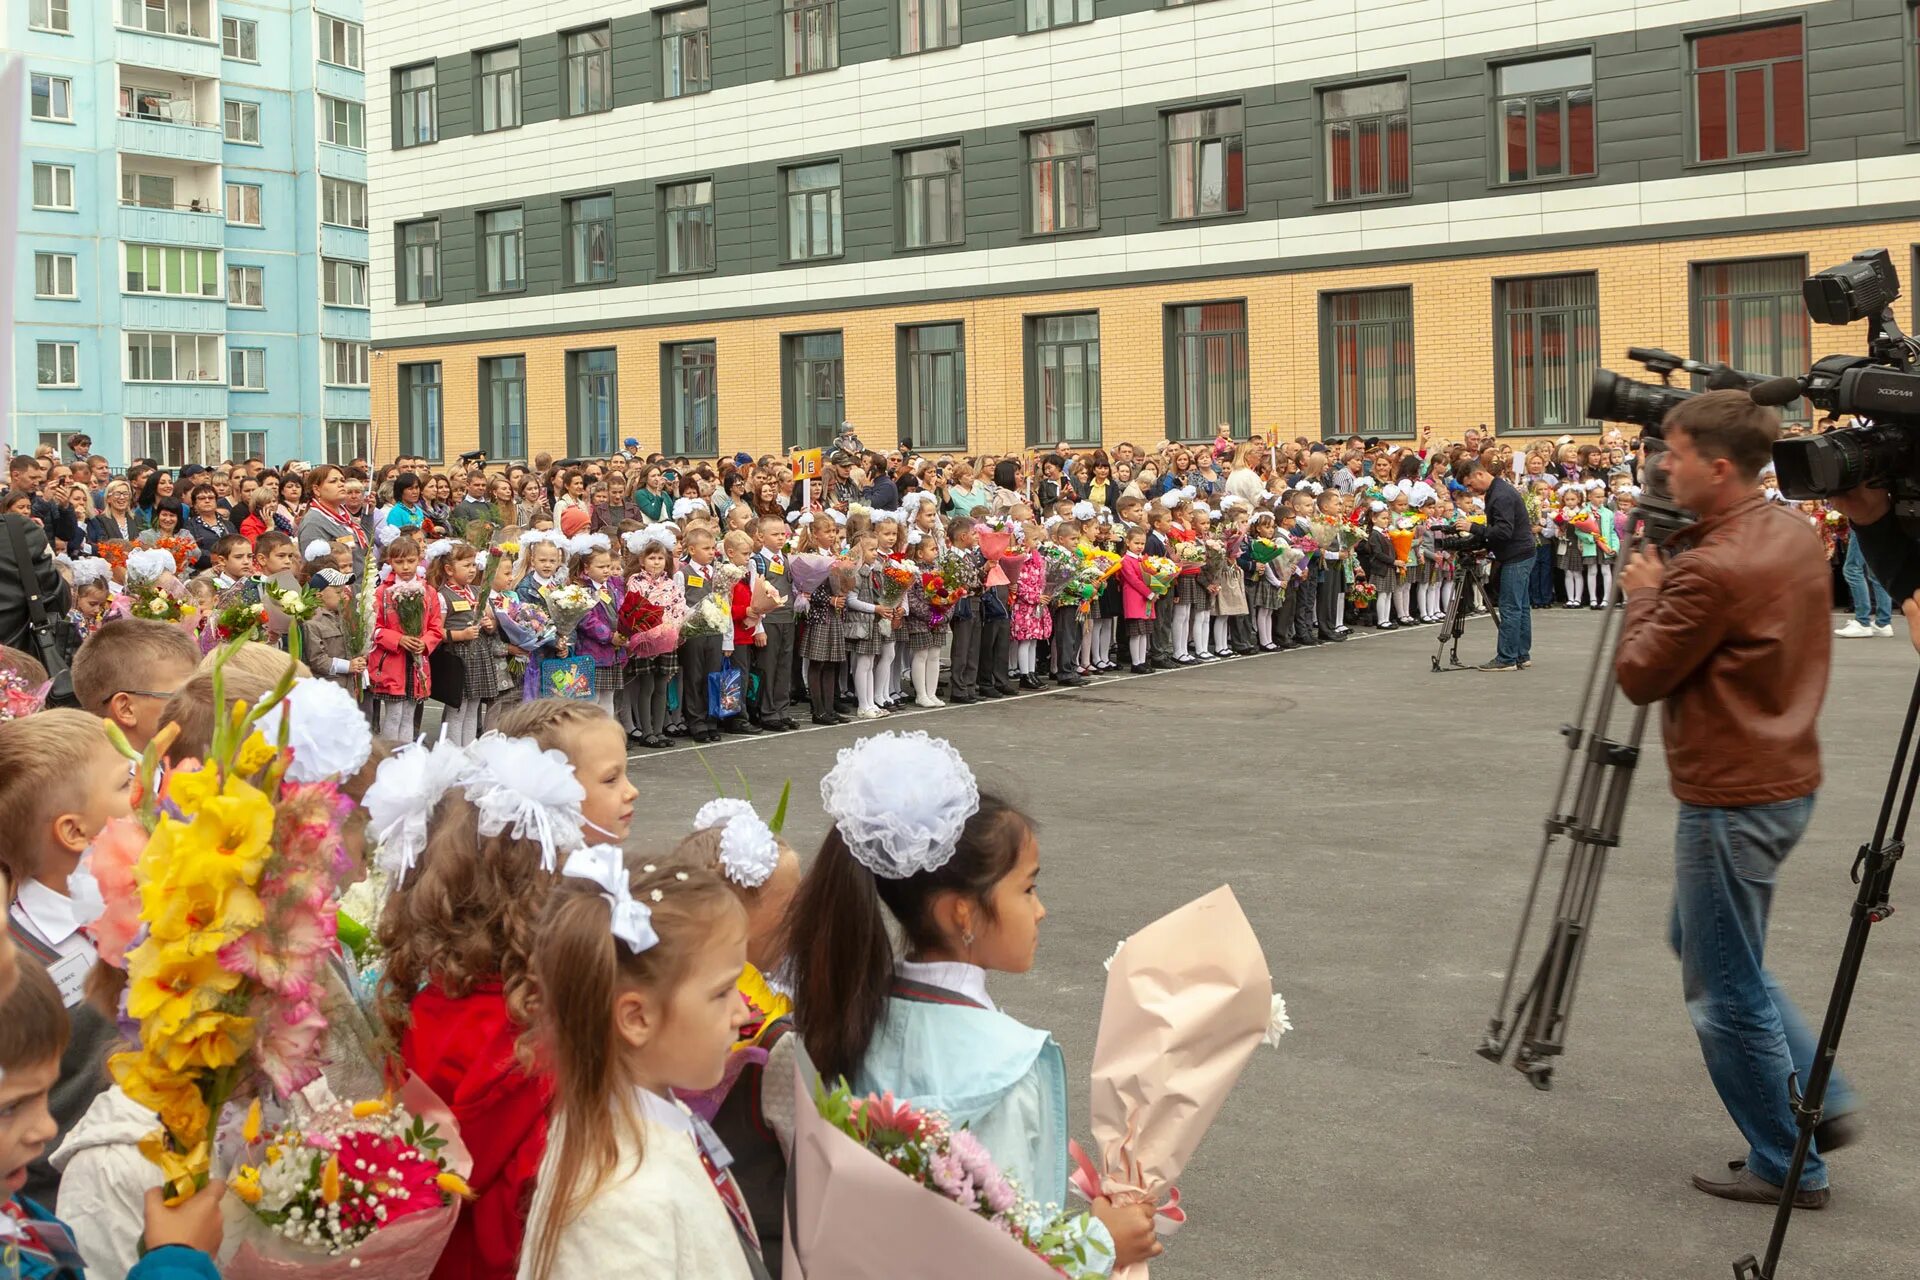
(1136, 598)
(389, 672)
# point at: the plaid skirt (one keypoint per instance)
(871, 644)
(664, 666)
(609, 679)
(1139, 626)
(485, 669)
(1187, 589)
(918, 640)
(1095, 609)
(826, 640)
(1264, 595)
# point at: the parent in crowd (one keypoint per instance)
(328, 517)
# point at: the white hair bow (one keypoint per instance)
(749, 852)
(400, 802)
(517, 785)
(150, 565)
(606, 866)
(437, 548)
(1083, 511)
(587, 543)
(318, 549)
(91, 569)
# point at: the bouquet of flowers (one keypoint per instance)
(408, 600)
(1161, 574)
(1264, 550)
(298, 603)
(1058, 567)
(638, 614)
(714, 615)
(942, 592)
(508, 549)
(239, 619)
(17, 697)
(891, 583)
(1190, 556)
(963, 571)
(115, 553)
(358, 621)
(1361, 595)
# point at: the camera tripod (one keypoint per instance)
(1472, 573)
(1873, 871)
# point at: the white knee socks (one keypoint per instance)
(863, 666)
(1182, 625)
(1263, 625)
(1573, 585)
(1202, 632)
(1137, 649)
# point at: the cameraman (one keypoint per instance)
(1508, 537)
(1892, 556)
(1732, 633)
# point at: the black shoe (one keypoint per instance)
(706, 737)
(1163, 664)
(962, 699)
(634, 735)
(1032, 683)
(990, 694)
(743, 728)
(1497, 666)
(1075, 682)
(655, 741)
(1385, 626)
(677, 730)
(828, 720)
(1142, 668)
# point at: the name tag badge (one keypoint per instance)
(779, 569)
(70, 976)
(696, 581)
(462, 606)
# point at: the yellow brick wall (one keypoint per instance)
(1643, 290)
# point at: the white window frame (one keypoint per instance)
(53, 186)
(195, 444)
(248, 444)
(55, 260)
(332, 272)
(245, 43)
(362, 434)
(150, 340)
(356, 196)
(344, 37)
(66, 365)
(234, 114)
(64, 99)
(243, 273)
(247, 372)
(50, 15)
(352, 355)
(235, 198)
(129, 248)
(355, 122)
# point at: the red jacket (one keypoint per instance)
(1136, 597)
(389, 673)
(252, 527)
(464, 1050)
(742, 601)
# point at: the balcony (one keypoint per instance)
(173, 315)
(174, 400)
(346, 402)
(183, 55)
(175, 134)
(343, 242)
(201, 227)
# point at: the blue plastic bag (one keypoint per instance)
(726, 693)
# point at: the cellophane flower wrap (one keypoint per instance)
(347, 1191)
(1361, 595)
(663, 594)
(891, 583)
(713, 616)
(239, 619)
(237, 885)
(1161, 573)
(408, 600)
(1058, 565)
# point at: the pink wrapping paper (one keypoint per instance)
(995, 544)
(1188, 1000)
(408, 1248)
(807, 570)
(852, 1216)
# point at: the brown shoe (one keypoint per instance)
(1742, 1184)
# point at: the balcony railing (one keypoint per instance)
(180, 113)
(191, 206)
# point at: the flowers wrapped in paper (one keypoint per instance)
(1058, 565)
(713, 616)
(808, 569)
(1188, 1000)
(566, 605)
(1361, 595)
(1161, 574)
(891, 584)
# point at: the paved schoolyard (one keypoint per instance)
(1379, 822)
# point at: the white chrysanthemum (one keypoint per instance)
(1278, 1024)
(900, 801)
(530, 792)
(326, 729)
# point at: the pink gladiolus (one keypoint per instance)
(289, 1047)
(115, 851)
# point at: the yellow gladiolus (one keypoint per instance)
(330, 1181)
(207, 1041)
(181, 1171)
(454, 1185)
(168, 985)
(256, 753)
(250, 1131)
(228, 838)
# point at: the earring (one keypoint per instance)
(966, 938)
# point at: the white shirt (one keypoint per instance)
(969, 980)
(48, 915)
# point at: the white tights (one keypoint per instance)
(462, 723)
(863, 668)
(1403, 599)
(1263, 625)
(1023, 655)
(926, 676)
(1606, 582)
(399, 719)
(1221, 642)
(1202, 631)
(1573, 586)
(1182, 624)
(1137, 650)
(1383, 607)
(886, 675)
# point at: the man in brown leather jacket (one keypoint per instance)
(1732, 633)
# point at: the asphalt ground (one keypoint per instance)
(1380, 823)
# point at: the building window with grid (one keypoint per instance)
(1207, 380)
(1366, 363)
(57, 364)
(813, 211)
(1063, 379)
(343, 203)
(348, 440)
(246, 368)
(931, 208)
(686, 232)
(173, 442)
(1206, 162)
(1548, 333)
(419, 261)
(414, 106)
(340, 42)
(240, 39)
(1044, 15)
(1749, 92)
(343, 283)
(816, 391)
(247, 446)
(690, 413)
(53, 187)
(926, 25)
(684, 66)
(240, 122)
(1363, 138)
(247, 287)
(243, 204)
(420, 433)
(50, 15)
(346, 363)
(173, 357)
(499, 88)
(344, 123)
(810, 35)
(589, 221)
(1063, 180)
(503, 250)
(589, 57)
(933, 386)
(1751, 315)
(1544, 117)
(51, 98)
(182, 273)
(503, 406)
(593, 402)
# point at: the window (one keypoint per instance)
(1363, 138)
(243, 204)
(419, 261)
(246, 286)
(413, 103)
(589, 70)
(53, 186)
(58, 365)
(1063, 379)
(684, 52)
(502, 250)
(1749, 93)
(53, 275)
(1044, 15)
(931, 212)
(240, 121)
(933, 382)
(139, 103)
(420, 410)
(1063, 180)
(813, 211)
(926, 25)
(1548, 332)
(686, 236)
(500, 88)
(816, 393)
(343, 203)
(1207, 371)
(166, 17)
(503, 407)
(590, 239)
(593, 408)
(1545, 119)
(1206, 164)
(185, 273)
(246, 368)
(49, 15)
(173, 357)
(1366, 363)
(346, 363)
(810, 32)
(690, 418)
(173, 442)
(240, 39)
(247, 445)
(344, 123)
(343, 283)
(1750, 315)
(348, 440)
(52, 98)
(146, 190)
(340, 42)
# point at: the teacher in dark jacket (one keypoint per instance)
(1508, 538)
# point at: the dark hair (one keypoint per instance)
(1463, 470)
(842, 956)
(172, 506)
(33, 1020)
(404, 481)
(193, 494)
(226, 546)
(1728, 424)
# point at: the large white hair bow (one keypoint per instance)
(606, 866)
(437, 548)
(88, 570)
(326, 729)
(748, 850)
(400, 802)
(150, 565)
(586, 543)
(526, 790)
(900, 801)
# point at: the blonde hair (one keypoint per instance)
(258, 661)
(460, 552)
(43, 770)
(124, 653)
(737, 541)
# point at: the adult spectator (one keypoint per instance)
(406, 512)
(16, 619)
(653, 497)
(1247, 479)
(474, 503)
(328, 517)
(206, 524)
(1098, 486)
(1731, 633)
(79, 448)
(883, 494)
(1507, 536)
(116, 522)
(965, 493)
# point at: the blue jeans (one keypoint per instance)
(1871, 603)
(1516, 616)
(1542, 576)
(1753, 1038)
